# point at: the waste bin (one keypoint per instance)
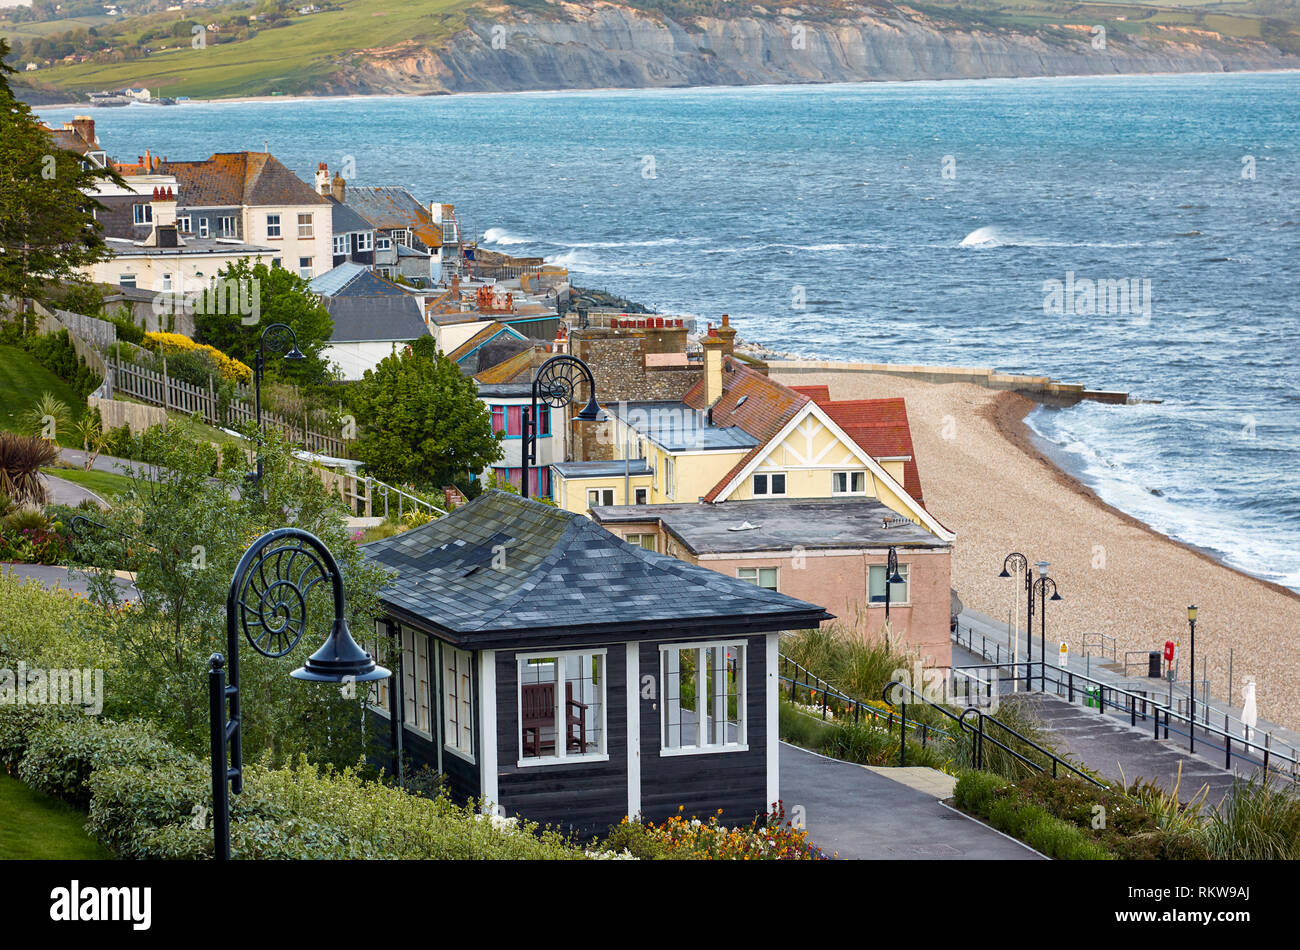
(1153, 664)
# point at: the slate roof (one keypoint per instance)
(560, 578)
(388, 208)
(679, 427)
(878, 426)
(375, 319)
(351, 279)
(347, 221)
(234, 179)
(517, 368)
(776, 525)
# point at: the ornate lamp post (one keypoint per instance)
(555, 387)
(1040, 588)
(278, 344)
(268, 602)
(1015, 562)
(892, 577)
(1191, 680)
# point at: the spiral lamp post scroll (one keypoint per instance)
(555, 387)
(267, 602)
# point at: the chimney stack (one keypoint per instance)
(713, 356)
(164, 207)
(727, 333)
(84, 126)
(322, 180)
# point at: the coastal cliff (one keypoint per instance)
(606, 45)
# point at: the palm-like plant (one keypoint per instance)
(21, 460)
(90, 430)
(47, 417)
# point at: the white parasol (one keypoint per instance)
(1249, 713)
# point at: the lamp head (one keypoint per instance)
(897, 578)
(1191, 613)
(591, 412)
(340, 660)
(1056, 595)
(1005, 572)
(295, 353)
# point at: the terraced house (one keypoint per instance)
(784, 487)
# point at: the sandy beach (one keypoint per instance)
(983, 477)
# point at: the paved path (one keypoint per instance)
(859, 812)
(54, 576)
(64, 492)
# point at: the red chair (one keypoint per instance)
(538, 713)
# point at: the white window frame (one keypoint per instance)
(769, 479)
(273, 227)
(849, 478)
(561, 751)
(340, 244)
(122, 280)
(642, 496)
(142, 214)
(226, 226)
(183, 223)
(377, 690)
(365, 240)
(743, 572)
(670, 476)
(457, 670)
(417, 710)
(905, 571)
(601, 494)
(383, 243)
(305, 270)
(306, 227)
(742, 710)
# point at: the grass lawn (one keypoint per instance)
(33, 826)
(103, 484)
(22, 380)
(286, 59)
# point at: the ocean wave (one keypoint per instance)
(991, 236)
(505, 238)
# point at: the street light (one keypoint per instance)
(1191, 680)
(1040, 589)
(268, 601)
(555, 386)
(891, 577)
(259, 368)
(1017, 562)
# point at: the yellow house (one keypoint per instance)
(739, 436)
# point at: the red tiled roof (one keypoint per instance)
(750, 400)
(818, 394)
(232, 179)
(878, 426)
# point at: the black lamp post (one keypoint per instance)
(1040, 588)
(268, 601)
(891, 577)
(1015, 561)
(1191, 681)
(555, 387)
(278, 343)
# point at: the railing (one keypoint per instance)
(1099, 644)
(980, 734)
(160, 389)
(834, 702)
(366, 496)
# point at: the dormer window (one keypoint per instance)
(143, 214)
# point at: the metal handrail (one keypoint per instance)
(1199, 717)
(981, 735)
(815, 684)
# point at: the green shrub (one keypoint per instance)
(1060, 839)
(234, 456)
(974, 791)
(63, 753)
(56, 353)
(48, 629)
(1259, 820)
(637, 840)
(18, 724)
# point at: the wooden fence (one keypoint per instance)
(159, 389)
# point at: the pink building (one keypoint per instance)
(827, 551)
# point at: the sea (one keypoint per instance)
(1139, 234)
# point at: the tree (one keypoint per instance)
(181, 533)
(48, 231)
(420, 421)
(283, 297)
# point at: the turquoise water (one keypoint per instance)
(821, 219)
